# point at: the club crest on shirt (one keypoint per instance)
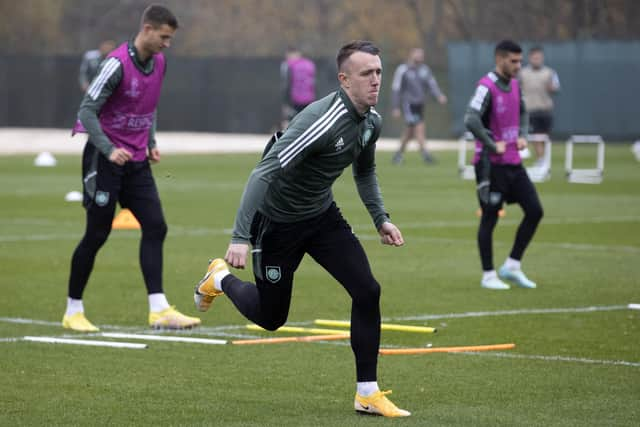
(273, 273)
(339, 144)
(102, 198)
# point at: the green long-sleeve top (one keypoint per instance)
(293, 180)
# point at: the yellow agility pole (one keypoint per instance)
(422, 350)
(296, 329)
(384, 326)
(278, 340)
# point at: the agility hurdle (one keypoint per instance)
(465, 170)
(541, 173)
(585, 176)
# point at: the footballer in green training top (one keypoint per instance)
(287, 210)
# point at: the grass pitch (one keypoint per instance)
(571, 366)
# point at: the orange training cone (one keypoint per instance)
(125, 221)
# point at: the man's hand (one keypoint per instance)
(390, 235)
(522, 143)
(396, 113)
(120, 156)
(237, 254)
(442, 99)
(501, 147)
(154, 155)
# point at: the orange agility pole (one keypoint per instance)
(390, 351)
(279, 340)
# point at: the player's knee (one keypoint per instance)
(535, 213)
(156, 231)
(94, 239)
(368, 292)
(274, 323)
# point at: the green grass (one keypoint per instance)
(585, 254)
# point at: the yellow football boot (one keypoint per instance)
(205, 291)
(170, 318)
(378, 404)
(78, 322)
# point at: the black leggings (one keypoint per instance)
(278, 251)
(508, 184)
(134, 187)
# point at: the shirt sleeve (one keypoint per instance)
(83, 77)
(432, 84)
(555, 81)
(364, 174)
(478, 108)
(524, 117)
(103, 85)
(396, 86)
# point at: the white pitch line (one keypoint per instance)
(556, 359)
(96, 343)
(508, 313)
(163, 338)
(633, 306)
(556, 245)
(29, 321)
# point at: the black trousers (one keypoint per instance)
(278, 249)
(510, 184)
(105, 184)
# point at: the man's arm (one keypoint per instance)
(524, 118)
(554, 84)
(396, 86)
(364, 174)
(83, 79)
(104, 84)
(478, 107)
(432, 84)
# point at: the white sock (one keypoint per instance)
(74, 306)
(158, 302)
(217, 278)
(367, 388)
(491, 274)
(512, 264)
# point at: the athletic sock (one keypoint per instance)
(217, 278)
(367, 388)
(491, 274)
(512, 264)
(74, 306)
(158, 302)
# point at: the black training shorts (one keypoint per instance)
(540, 122)
(507, 183)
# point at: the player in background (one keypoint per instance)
(298, 75)
(497, 117)
(118, 112)
(539, 83)
(411, 81)
(287, 210)
(91, 61)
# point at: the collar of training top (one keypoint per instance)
(351, 108)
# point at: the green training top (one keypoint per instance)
(103, 85)
(293, 180)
